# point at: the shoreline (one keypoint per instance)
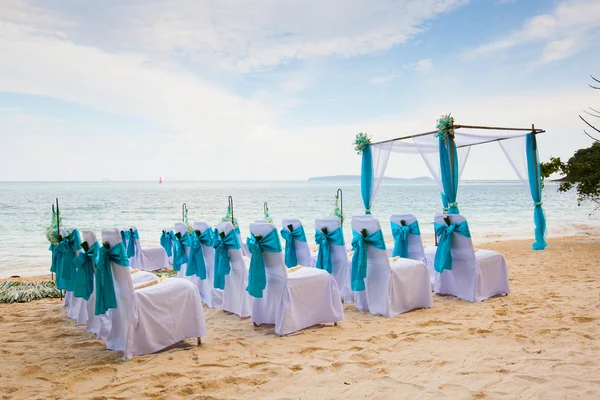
(540, 341)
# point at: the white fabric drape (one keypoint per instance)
(516, 153)
(381, 156)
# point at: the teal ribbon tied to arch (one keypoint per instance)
(179, 255)
(359, 258)
(69, 245)
(443, 254)
(196, 263)
(83, 285)
(291, 260)
(400, 234)
(166, 241)
(105, 287)
(231, 241)
(325, 240)
(257, 275)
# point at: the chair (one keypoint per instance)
(166, 242)
(391, 288)
(415, 242)
(340, 265)
(475, 275)
(100, 324)
(154, 317)
(76, 306)
(294, 300)
(147, 258)
(303, 254)
(235, 298)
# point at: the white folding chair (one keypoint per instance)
(475, 275)
(76, 306)
(390, 288)
(235, 297)
(340, 264)
(303, 253)
(154, 317)
(415, 243)
(295, 300)
(148, 258)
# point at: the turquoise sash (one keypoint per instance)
(222, 262)
(105, 287)
(196, 263)
(257, 276)
(166, 241)
(131, 238)
(400, 234)
(324, 241)
(359, 258)
(54, 264)
(443, 254)
(179, 256)
(290, 247)
(84, 275)
(67, 248)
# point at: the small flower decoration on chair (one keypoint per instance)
(267, 216)
(337, 212)
(361, 142)
(445, 127)
(229, 217)
(190, 228)
(52, 233)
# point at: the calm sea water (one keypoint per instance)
(494, 210)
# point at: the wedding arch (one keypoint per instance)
(445, 152)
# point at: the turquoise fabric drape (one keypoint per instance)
(166, 241)
(325, 241)
(449, 174)
(105, 287)
(257, 276)
(231, 241)
(366, 177)
(131, 237)
(359, 258)
(443, 254)
(196, 263)
(400, 234)
(291, 260)
(84, 275)
(535, 186)
(54, 264)
(179, 255)
(69, 245)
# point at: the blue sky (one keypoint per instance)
(231, 90)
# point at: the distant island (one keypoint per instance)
(356, 178)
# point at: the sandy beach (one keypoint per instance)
(542, 341)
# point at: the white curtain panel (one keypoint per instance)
(516, 153)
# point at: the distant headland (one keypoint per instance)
(356, 178)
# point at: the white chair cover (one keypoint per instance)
(149, 258)
(297, 300)
(235, 297)
(475, 276)
(68, 294)
(303, 254)
(391, 288)
(76, 306)
(170, 258)
(213, 298)
(415, 243)
(340, 264)
(154, 317)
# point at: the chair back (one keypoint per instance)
(302, 250)
(235, 255)
(415, 242)
(462, 247)
(89, 237)
(274, 264)
(208, 251)
(375, 257)
(339, 256)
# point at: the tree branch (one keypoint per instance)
(590, 114)
(590, 125)
(592, 86)
(591, 137)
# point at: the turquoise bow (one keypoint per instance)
(166, 241)
(324, 241)
(196, 263)
(105, 287)
(67, 248)
(179, 256)
(400, 234)
(257, 276)
(222, 262)
(359, 258)
(55, 253)
(443, 254)
(132, 237)
(84, 275)
(290, 247)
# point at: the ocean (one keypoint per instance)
(495, 210)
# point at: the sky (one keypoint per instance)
(277, 90)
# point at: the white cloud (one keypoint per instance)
(385, 79)
(568, 30)
(423, 66)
